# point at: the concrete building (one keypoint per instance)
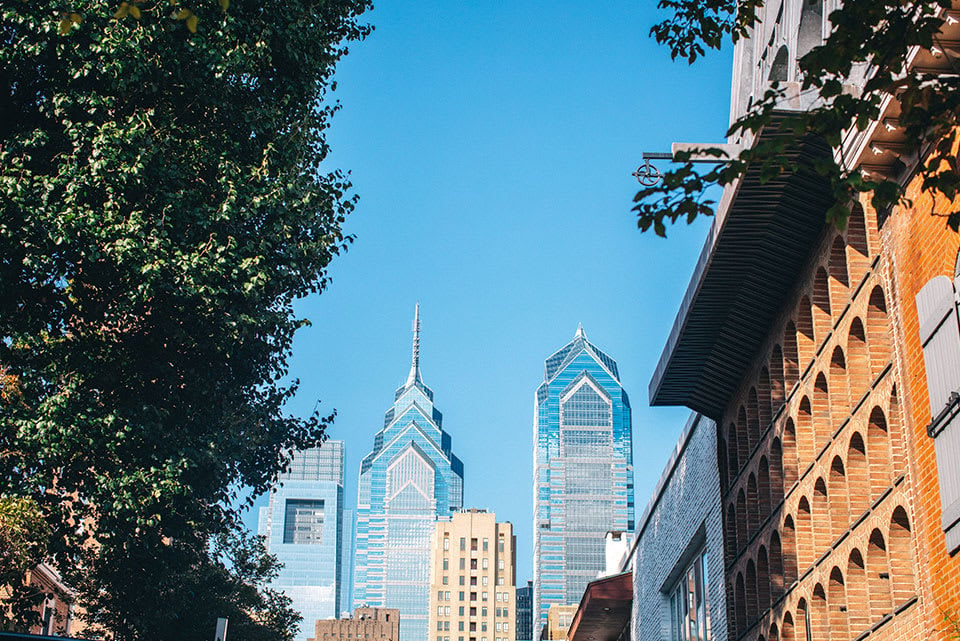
(817, 352)
(559, 618)
(524, 609)
(303, 526)
(473, 579)
(373, 624)
(409, 480)
(583, 471)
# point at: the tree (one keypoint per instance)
(878, 33)
(164, 202)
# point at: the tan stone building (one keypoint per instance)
(559, 618)
(473, 579)
(367, 624)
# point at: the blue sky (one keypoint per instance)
(491, 144)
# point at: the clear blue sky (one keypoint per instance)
(491, 144)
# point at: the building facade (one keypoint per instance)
(679, 587)
(473, 579)
(375, 624)
(524, 609)
(409, 480)
(829, 359)
(583, 472)
(303, 526)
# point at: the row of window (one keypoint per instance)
(444, 610)
(473, 544)
(473, 580)
(444, 626)
(484, 564)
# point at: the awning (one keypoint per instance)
(604, 609)
(759, 242)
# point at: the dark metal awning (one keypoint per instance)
(759, 242)
(604, 609)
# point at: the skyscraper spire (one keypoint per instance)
(414, 376)
(580, 333)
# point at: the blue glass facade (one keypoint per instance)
(303, 525)
(409, 479)
(583, 472)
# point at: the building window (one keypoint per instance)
(462, 563)
(484, 563)
(473, 545)
(689, 611)
(485, 544)
(446, 543)
(463, 543)
(303, 522)
(446, 564)
(445, 579)
(937, 309)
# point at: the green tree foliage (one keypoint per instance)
(162, 205)
(23, 538)
(878, 33)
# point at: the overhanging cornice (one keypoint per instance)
(759, 242)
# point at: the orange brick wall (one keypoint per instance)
(920, 246)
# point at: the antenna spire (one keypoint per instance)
(414, 376)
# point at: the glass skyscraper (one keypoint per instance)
(583, 472)
(409, 480)
(303, 525)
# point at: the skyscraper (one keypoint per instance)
(303, 524)
(409, 479)
(583, 472)
(525, 612)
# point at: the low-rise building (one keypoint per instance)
(367, 624)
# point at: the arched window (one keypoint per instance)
(839, 277)
(901, 557)
(763, 399)
(740, 606)
(763, 581)
(878, 577)
(822, 319)
(806, 443)
(804, 633)
(837, 604)
(788, 634)
(753, 417)
(753, 608)
(805, 334)
(744, 438)
(791, 358)
(789, 551)
(857, 236)
(838, 381)
(821, 512)
(858, 616)
(858, 476)
(776, 473)
(742, 535)
(839, 509)
(810, 31)
(790, 472)
(777, 381)
(878, 453)
(878, 329)
(733, 452)
(763, 488)
(805, 546)
(858, 361)
(777, 579)
(732, 544)
(780, 69)
(819, 617)
(753, 505)
(822, 420)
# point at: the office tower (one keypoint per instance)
(303, 525)
(366, 624)
(583, 472)
(473, 579)
(525, 612)
(409, 480)
(346, 562)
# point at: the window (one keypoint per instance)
(460, 626)
(473, 580)
(500, 564)
(473, 545)
(473, 596)
(445, 579)
(446, 543)
(463, 544)
(440, 609)
(473, 612)
(500, 545)
(461, 595)
(484, 581)
(486, 542)
(483, 626)
(484, 563)
(462, 563)
(937, 308)
(689, 611)
(462, 579)
(461, 610)
(446, 564)
(483, 612)
(439, 626)
(473, 564)
(303, 522)
(500, 580)
(484, 596)
(446, 596)
(446, 626)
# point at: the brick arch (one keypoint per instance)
(787, 629)
(858, 475)
(837, 604)
(775, 475)
(733, 453)
(895, 430)
(732, 546)
(789, 455)
(777, 380)
(722, 463)
(743, 435)
(858, 360)
(839, 385)
(774, 632)
(805, 334)
(754, 427)
(878, 331)
(753, 505)
(777, 578)
(858, 617)
(822, 318)
(763, 580)
(878, 576)
(878, 452)
(803, 620)
(820, 507)
(806, 443)
(753, 607)
(857, 242)
(741, 519)
(822, 419)
(819, 616)
(791, 358)
(740, 606)
(839, 277)
(839, 506)
(901, 557)
(763, 398)
(789, 550)
(805, 547)
(764, 487)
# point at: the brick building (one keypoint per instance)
(367, 624)
(805, 344)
